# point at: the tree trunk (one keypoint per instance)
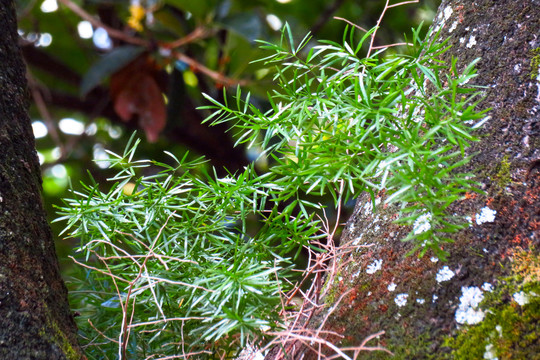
(35, 320)
(427, 307)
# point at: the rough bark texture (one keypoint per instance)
(503, 253)
(35, 320)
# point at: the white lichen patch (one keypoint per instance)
(392, 286)
(422, 224)
(368, 208)
(521, 298)
(487, 287)
(374, 267)
(468, 311)
(472, 42)
(433, 259)
(250, 353)
(525, 141)
(453, 26)
(486, 215)
(490, 353)
(444, 274)
(447, 12)
(401, 299)
(356, 241)
(420, 301)
(434, 298)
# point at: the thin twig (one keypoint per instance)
(117, 248)
(403, 3)
(326, 14)
(391, 45)
(338, 216)
(114, 33)
(332, 309)
(101, 333)
(45, 114)
(124, 333)
(197, 34)
(157, 256)
(97, 269)
(216, 76)
(350, 23)
(160, 280)
(386, 7)
(166, 321)
(319, 341)
(185, 356)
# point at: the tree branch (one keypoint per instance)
(325, 16)
(117, 34)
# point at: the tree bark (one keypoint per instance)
(35, 319)
(420, 309)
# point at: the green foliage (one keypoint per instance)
(176, 267)
(170, 256)
(62, 63)
(399, 124)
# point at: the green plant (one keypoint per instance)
(173, 264)
(172, 252)
(371, 123)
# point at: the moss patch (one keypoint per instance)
(535, 63)
(509, 330)
(503, 176)
(334, 289)
(52, 331)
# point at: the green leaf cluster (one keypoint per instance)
(174, 263)
(399, 123)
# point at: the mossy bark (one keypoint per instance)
(421, 322)
(35, 319)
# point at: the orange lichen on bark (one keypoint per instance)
(525, 263)
(470, 195)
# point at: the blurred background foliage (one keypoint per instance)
(100, 69)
